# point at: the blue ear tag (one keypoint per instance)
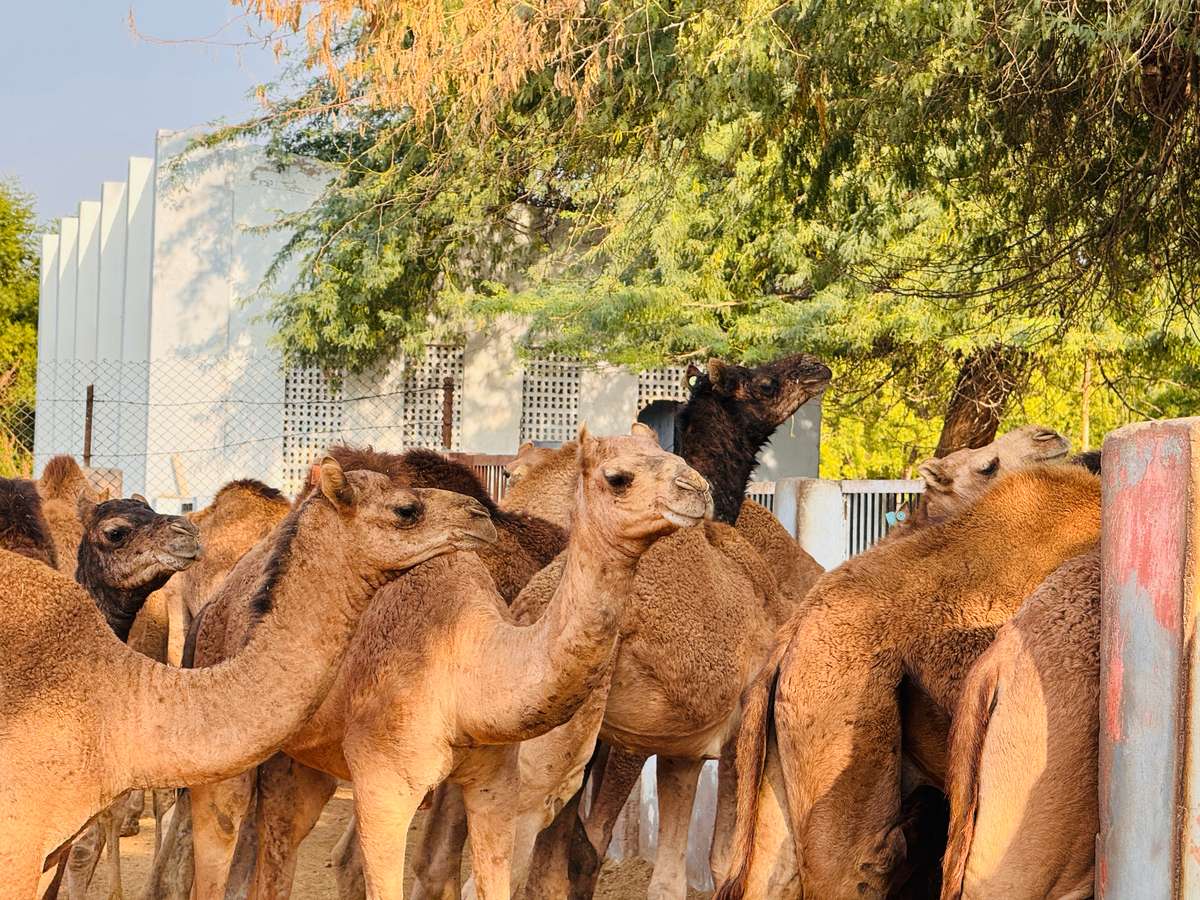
(901, 516)
(890, 518)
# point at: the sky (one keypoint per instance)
(80, 92)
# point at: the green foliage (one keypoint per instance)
(18, 329)
(890, 184)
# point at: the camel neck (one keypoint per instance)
(119, 606)
(194, 725)
(722, 449)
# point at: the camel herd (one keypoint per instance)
(919, 722)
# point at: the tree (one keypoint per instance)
(940, 197)
(18, 330)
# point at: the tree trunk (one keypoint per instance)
(986, 381)
(1085, 412)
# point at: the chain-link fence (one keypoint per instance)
(176, 430)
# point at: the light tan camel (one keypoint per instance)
(61, 486)
(418, 701)
(127, 552)
(923, 608)
(524, 545)
(85, 718)
(1024, 752)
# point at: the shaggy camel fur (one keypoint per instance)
(85, 718)
(61, 487)
(23, 527)
(923, 608)
(1024, 750)
(525, 544)
(422, 673)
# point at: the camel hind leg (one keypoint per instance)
(677, 779)
(437, 866)
(291, 797)
(838, 733)
(218, 810)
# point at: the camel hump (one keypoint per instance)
(23, 528)
(251, 486)
(62, 479)
(728, 540)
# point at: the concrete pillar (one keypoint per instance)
(47, 325)
(135, 324)
(813, 512)
(608, 398)
(110, 305)
(64, 341)
(1149, 843)
(491, 392)
(87, 290)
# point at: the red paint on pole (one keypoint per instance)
(1113, 686)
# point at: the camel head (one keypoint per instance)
(958, 479)
(530, 458)
(393, 527)
(126, 545)
(761, 398)
(23, 528)
(634, 492)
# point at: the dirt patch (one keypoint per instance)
(626, 880)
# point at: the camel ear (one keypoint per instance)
(933, 473)
(641, 429)
(139, 498)
(690, 376)
(84, 506)
(314, 475)
(716, 372)
(334, 486)
(585, 449)
(524, 448)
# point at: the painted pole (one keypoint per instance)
(1149, 842)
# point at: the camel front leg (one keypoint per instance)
(346, 859)
(217, 813)
(677, 780)
(290, 799)
(489, 788)
(385, 802)
(171, 870)
(84, 857)
(437, 865)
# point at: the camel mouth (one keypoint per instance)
(178, 560)
(681, 518)
(481, 533)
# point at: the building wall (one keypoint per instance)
(152, 295)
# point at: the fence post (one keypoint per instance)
(1149, 841)
(89, 406)
(811, 509)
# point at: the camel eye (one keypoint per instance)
(408, 513)
(991, 468)
(768, 387)
(115, 534)
(618, 481)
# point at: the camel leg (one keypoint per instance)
(718, 855)
(133, 808)
(386, 802)
(290, 799)
(217, 812)
(489, 793)
(171, 870)
(677, 780)
(438, 862)
(346, 858)
(84, 857)
(112, 824)
(838, 724)
(616, 779)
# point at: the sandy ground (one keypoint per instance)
(626, 880)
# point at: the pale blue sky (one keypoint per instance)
(79, 93)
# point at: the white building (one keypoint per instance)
(149, 295)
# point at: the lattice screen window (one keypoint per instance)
(425, 393)
(312, 419)
(661, 384)
(550, 399)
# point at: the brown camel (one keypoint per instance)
(698, 625)
(241, 514)
(417, 701)
(85, 718)
(920, 608)
(1024, 750)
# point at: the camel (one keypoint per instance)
(61, 487)
(417, 702)
(85, 718)
(1024, 750)
(23, 526)
(241, 514)
(822, 720)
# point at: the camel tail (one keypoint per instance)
(754, 734)
(967, 736)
